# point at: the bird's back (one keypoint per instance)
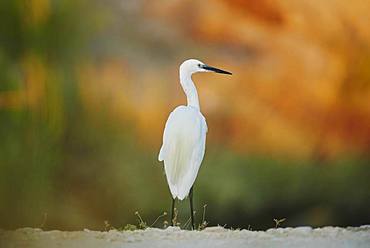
(183, 148)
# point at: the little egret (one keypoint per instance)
(184, 138)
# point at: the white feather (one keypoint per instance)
(183, 149)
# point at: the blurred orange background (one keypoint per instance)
(86, 88)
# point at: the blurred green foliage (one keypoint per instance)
(304, 192)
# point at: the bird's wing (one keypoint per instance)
(183, 149)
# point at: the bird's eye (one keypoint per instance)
(200, 65)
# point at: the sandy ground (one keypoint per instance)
(174, 237)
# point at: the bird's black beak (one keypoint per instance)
(210, 68)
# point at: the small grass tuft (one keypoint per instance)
(160, 216)
(175, 216)
(165, 224)
(107, 226)
(142, 223)
(204, 223)
(188, 221)
(278, 222)
(249, 228)
(129, 227)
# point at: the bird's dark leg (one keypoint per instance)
(173, 212)
(191, 208)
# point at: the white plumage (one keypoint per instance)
(184, 135)
(183, 149)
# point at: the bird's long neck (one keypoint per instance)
(190, 90)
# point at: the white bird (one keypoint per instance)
(184, 138)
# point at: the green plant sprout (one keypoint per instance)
(278, 222)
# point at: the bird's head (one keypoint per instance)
(191, 66)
